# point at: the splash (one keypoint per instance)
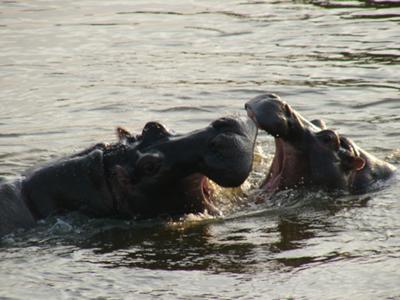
(394, 157)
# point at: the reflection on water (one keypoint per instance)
(73, 71)
(230, 244)
(357, 4)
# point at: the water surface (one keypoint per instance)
(71, 71)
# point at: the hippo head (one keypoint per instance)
(160, 172)
(306, 153)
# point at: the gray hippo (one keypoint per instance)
(144, 176)
(309, 154)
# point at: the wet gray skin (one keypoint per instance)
(148, 175)
(309, 154)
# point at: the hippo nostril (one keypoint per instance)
(327, 139)
(287, 109)
(273, 96)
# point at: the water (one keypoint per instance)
(73, 70)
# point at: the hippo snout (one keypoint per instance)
(229, 157)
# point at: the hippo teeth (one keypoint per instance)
(252, 116)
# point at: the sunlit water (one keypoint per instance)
(70, 71)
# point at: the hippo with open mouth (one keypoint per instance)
(309, 154)
(151, 174)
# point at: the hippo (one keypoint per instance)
(308, 154)
(148, 175)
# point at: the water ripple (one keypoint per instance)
(184, 109)
(394, 103)
(73, 70)
(154, 12)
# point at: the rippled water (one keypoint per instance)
(73, 70)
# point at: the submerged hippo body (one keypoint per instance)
(309, 154)
(153, 173)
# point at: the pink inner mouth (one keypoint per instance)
(199, 194)
(288, 168)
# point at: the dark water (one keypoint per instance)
(70, 71)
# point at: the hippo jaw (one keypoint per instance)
(165, 173)
(289, 166)
(305, 154)
(199, 195)
(221, 153)
(190, 194)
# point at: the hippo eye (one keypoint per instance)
(329, 138)
(150, 168)
(149, 164)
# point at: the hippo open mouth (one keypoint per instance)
(288, 167)
(153, 174)
(199, 195)
(172, 172)
(306, 153)
(191, 194)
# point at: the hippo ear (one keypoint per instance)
(149, 164)
(358, 163)
(124, 136)
(350, 161)
(354, 163)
